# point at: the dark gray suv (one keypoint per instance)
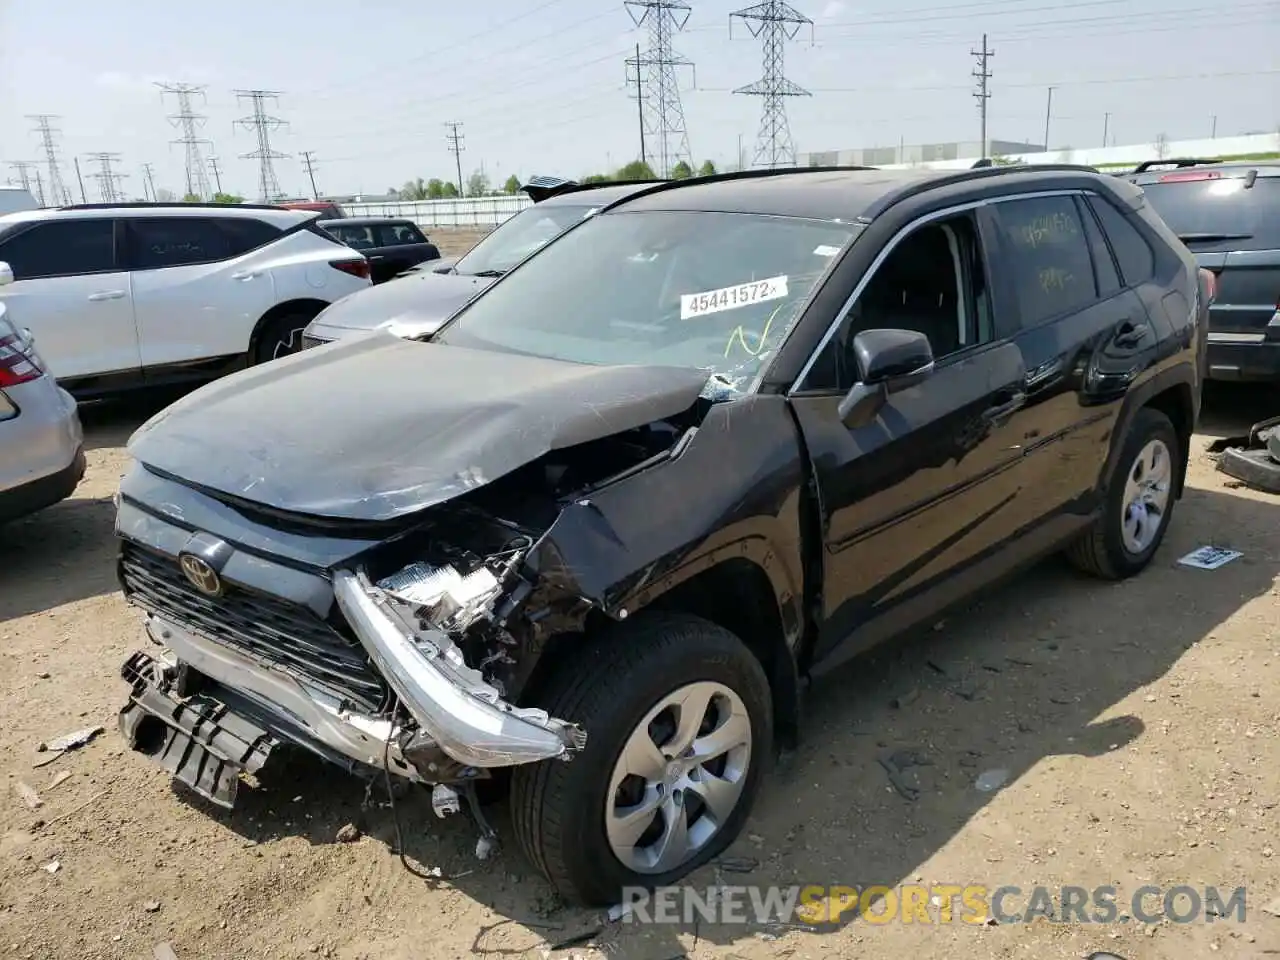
(1228, 214)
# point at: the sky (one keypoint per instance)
(540, 86)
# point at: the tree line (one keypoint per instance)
(479, 185)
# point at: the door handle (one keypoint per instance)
(106, 295)
(244, 275)
(1001, 412)
(376, 256)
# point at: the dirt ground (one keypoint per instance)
(1139, 725)
(455, 241)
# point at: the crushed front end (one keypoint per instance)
(377, 647)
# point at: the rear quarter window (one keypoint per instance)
(1218, 206)
(1133, 253)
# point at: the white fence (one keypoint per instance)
(463, 212)
(1131, 155)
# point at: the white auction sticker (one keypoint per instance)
(730, 298)
(826, 250)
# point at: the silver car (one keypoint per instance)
(41, 441)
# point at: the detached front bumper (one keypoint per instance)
(207, 711)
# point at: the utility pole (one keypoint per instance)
(149, 181)
(661, 110)
(455, 147)
(58, 192)
(80, 180)
(217, 174)
(189, 122)
(308, 161)
(774, 22)
(106, 177)
(1048, 114)
(1213, 130)
(1106, 127)
(262, 124)
(644, 157)
(983, 75)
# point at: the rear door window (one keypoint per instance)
(399, 234)
(159, 242)
(356, 237)
(61, 248)
(1211, 211)
(1052, 271)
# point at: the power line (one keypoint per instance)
(107, 178)
(660, 105)
(983, 93)
(262, 124)
(777, 22)
(308, 161)
(57, 190)
(188, 121)
(455, 140)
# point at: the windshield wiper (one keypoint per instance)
(1207, 237)
(488, 273)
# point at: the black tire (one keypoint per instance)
(558, 809)
(281, 337)
(1101, 551)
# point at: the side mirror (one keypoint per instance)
(888, 361)
(6, 274)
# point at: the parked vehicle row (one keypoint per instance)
(126, 295)
(719, 435)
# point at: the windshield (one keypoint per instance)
(1218, 211)
(717, 291)
(518, 237)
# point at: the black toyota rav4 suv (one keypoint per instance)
(707, 444)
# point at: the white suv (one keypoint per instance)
(126, 295)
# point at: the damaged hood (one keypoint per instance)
(377, 427)
(412, 305)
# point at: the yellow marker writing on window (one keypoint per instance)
(740, 335)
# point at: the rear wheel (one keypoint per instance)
(1138, 502)
(679, 722)
(281, 337)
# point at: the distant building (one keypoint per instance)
(912, 153)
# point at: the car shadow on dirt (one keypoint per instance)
(1043, 669)
(59, 555)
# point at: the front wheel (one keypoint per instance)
(1138, 502)
(679, 727)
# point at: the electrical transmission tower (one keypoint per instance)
(149, 183)
(983, 75)
(455, 147)
(189, 122)
(262, 124)
(107, 178)
(662, 111)
(309, 164)
(56, 190)
(25, 169)
(217, 174)
(776, 22)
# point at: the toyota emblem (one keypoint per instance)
(200, 575)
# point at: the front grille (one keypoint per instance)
(309, 341)
(281, 632)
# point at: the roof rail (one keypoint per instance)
(156, 205)
(1179, 163)
(661, 185)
